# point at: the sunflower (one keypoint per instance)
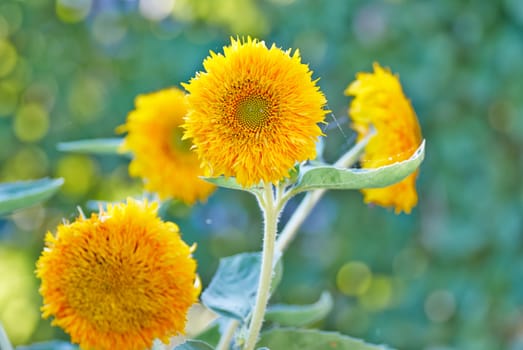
(119, 279)
(161, 157)
(379, 100)
(253, 112)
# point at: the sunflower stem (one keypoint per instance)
(270, 215)
(5, 344)
(309, 201)
(226, 338)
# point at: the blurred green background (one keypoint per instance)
(448, 276)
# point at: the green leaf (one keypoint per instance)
(305, 339)
(23, 194)
(228, 182)
(333, 178)
(194, 345)
(232, 291)
(94, 146)
(49, 345)
(300, 315)
(211, 335)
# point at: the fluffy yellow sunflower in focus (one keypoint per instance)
(119, 279)
(379, 101)
(161, 157)
(254, 112)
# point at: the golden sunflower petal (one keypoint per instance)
(379, 100)
(161, 157)
(118, 282)
(253, 112)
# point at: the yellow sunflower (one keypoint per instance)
(253, 112)
(161, 157)
(379, 100)
(119, 279)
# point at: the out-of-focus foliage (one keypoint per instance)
(449, 276)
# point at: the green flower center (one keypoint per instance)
(253, 111)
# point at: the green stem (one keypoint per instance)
(225, 340)
(271, 208)
(5, 344)
(270, 215)
(307, 204)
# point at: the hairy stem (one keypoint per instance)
(225, 340)
(270, 215)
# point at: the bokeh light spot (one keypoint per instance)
(8, 98)
(353, 320)
(20, 332)
(18, 310)
(109, 28)
(8, 58)
(182, 10)
(29, 219)
(22, 73)
(86, 99)
(79, 172)
(440, 305)
(12, 13)
(73, 11)
(29, 162)
(156, 10)
(354, 278)
(379, 294)
(31, 122)
(225, 13)
(43, 92)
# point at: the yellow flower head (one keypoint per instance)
(254, 112)
(161, 157)
(379, 100)
(118, 279)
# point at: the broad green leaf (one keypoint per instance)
(305, 339)
(300, 315)
(94, 146)
(49, 345)
(194, 345)
(23, 194)
(334, 178)
(232, 291)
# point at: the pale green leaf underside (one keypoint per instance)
(232, 291)
(194, 345)
(305, 339)
(23, 194)
(300, 315)
(333, 178)
(228, 182)
(93, 146)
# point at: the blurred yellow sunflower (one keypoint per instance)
(119, 279)
(379, 101)
(161, 157)
(253, 112)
